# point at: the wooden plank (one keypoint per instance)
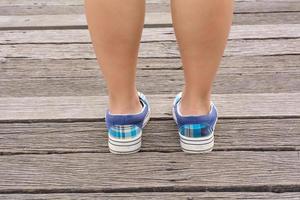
(159, 135)
(156, 195)
(149, 50)
(265, 74)
(153, 171)
(169, 81)
(41, 9)
(93, 107)
(151, 19)
(266, 18)
(242, 6)
(161, 19)
(40, 2)
(149, 34)
(22, 68)
(55, 7)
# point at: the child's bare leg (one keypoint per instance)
(201, 28)
(115, 27)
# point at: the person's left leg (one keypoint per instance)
(201, 28)
(116, 28)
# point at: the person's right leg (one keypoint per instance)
(202, 28)
(116, 27)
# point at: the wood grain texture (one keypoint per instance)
(149, 50)
(105, 171)
(151, 20)
(53, 139)
(169, 81)
(93, 107)
(156, 195)
(55, 7)
(23, 68)
(149, 34)
(258, 74)
(158, 136)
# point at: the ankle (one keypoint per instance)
(193, 105)
(125, 105)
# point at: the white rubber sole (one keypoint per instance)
(197, 145)
(127, 146)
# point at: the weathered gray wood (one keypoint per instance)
(21, 77)
(152, 19)
(156, 195)
(149, 34)
(265, 6)
(168, 81)
(93, 107)
(267, 18)
(260, 131)
(40, 2)
(54, 7)
(10, 8)
(22, 68)
(149, 50)
(71, 137)
(104, 171)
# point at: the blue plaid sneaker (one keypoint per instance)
(125, 130)
(196, 131)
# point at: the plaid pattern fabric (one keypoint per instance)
(125, 126)
(194, 126)
(124, 131)
(195, 130)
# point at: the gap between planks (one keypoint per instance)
(44, 14)
(154, 195)
(33, 7)
(161, 49)
(151, 20)
(149, 34)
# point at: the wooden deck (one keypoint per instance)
(53, 143)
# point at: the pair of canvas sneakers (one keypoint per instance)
(196, 132)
